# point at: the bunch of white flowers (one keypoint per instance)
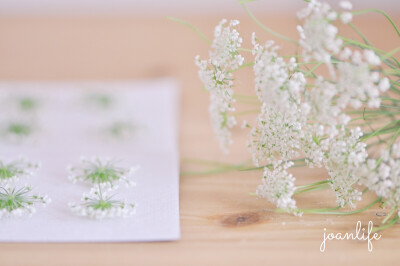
(310, 118)
(104, 175)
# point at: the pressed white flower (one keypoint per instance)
(345, 156)
(100, 203)
(383, 176)
(278, 186)
(318, 35)
(216, 75)
(19, 201)
(101, 170)
(12, 171)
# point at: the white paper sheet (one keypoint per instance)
(67, 127)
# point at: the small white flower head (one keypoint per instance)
(225, 46)
(278, 186)
(346, 17)
(357, 82)
(345, 156)
(14, 170)
(101, 170)
(275, 136)
(346, 5)
(318, 35)
(216, 75)
(19, 201)
(275, 82)
(383, 177)
(100, 203)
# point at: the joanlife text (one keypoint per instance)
(360, 234)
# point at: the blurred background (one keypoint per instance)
(160, 7)
(130, 39)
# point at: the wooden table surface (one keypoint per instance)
(220, 223)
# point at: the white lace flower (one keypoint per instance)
(383, 176)
(275, 84)
(343, 159)
(216, 75)
(19, 201)
(275, 136)
(318, 35)
(100, 204)
(101, 170)
(357, 83)
(278, 186)
(14, 170)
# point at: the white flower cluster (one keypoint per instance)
(356, 82)
(383, 176)
(296, 119)
(16, 202)
(12, 171)
(99, 204)
(276, 137)
(318, 36)
(104, 175)
(101, 170)
(343, 159)
(301, 114)
(278, 186)
(216, 75)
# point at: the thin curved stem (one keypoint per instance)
(364, 11)
(244, 5)
(190, 26)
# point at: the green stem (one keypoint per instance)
(364, 11)
(368, 136)
(316, 188)
(389, 224)
(318, 211)
(190, 26)
(314, 184)
(388, 216)
(244, 5)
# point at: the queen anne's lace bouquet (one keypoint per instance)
(310, 118)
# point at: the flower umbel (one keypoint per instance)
(99, 170)
(19, 201)
(216, 75)
(100, 203)
(14, 170)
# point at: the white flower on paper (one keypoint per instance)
(16, 201)
(100, 203)
(101, 170)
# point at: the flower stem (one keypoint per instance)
(244, 5)
(190, 26)
(389, 224)
(389, 215)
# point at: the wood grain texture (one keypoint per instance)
(221, 224)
